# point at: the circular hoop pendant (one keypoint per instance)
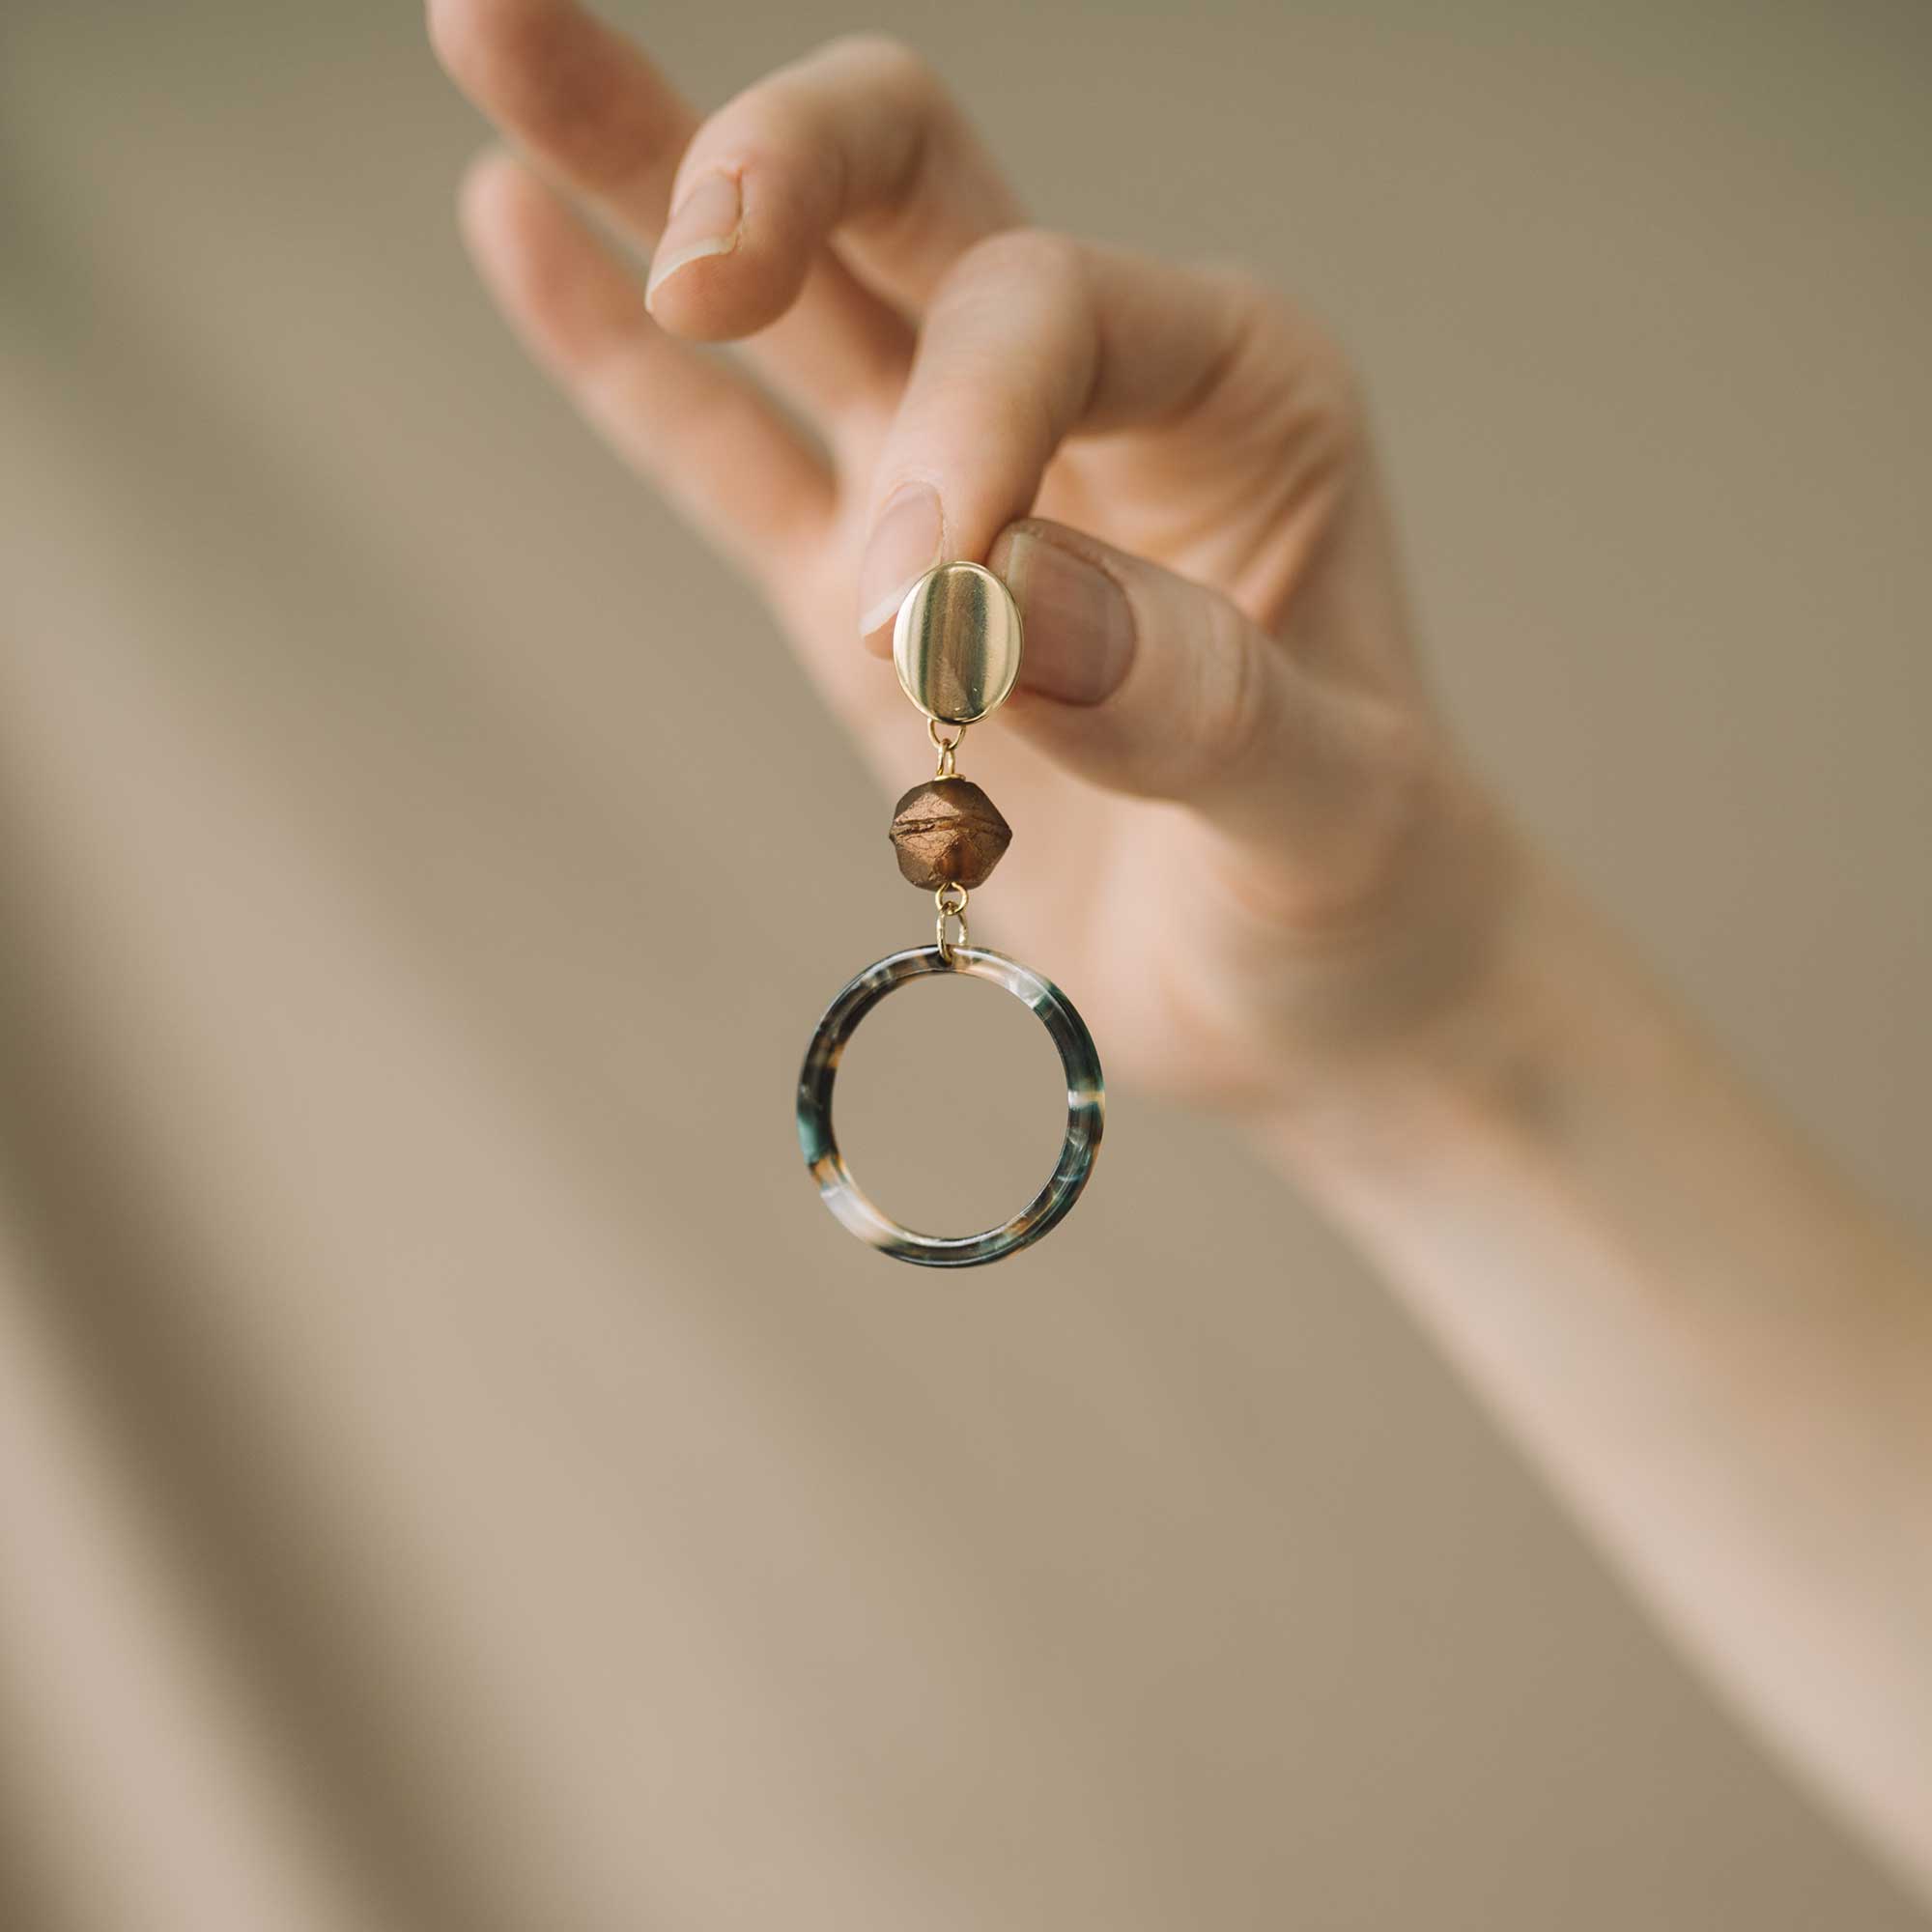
(1086, 1107)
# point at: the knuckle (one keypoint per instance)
(1325, 396)
(1035, 257)
(1241, 706)
(1332, 386)
(883, 60)
(771, 108)
(1299, 364)
(1236, 696)
(798, 121)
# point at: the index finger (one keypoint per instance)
(1033, 338)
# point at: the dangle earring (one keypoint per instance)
(956, 649)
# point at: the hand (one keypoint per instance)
(1243, 840)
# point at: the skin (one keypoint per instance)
(1291, 898)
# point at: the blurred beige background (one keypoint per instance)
(452, 1473)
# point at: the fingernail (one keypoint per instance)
(705, 223)
(904, 546)
(1078, 630)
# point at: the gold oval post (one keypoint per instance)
(957, 643)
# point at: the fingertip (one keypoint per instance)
(1081, 631)
(714, 295)
(689, 293)
(730, 260)
(555, 280)
(486, 197)
(1000, 556)
(478, 41)
(509, 222)
(448, 23)
(908, 538)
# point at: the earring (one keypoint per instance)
(956, 648)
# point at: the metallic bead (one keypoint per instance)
(948, 831)
(956, 642)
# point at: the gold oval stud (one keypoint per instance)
(956, 642)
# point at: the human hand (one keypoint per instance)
(1245, 843)
(1243, 838)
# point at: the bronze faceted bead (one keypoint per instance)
(948, 831)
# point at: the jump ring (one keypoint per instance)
(949, 949)
(945, 747)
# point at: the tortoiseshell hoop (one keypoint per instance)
(1086, 1107)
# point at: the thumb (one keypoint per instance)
(1142, 681)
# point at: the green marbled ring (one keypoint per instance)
(1086, 1108)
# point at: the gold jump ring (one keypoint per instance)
(945, 747)
(950, 907)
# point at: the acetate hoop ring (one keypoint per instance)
(1086, 1108)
